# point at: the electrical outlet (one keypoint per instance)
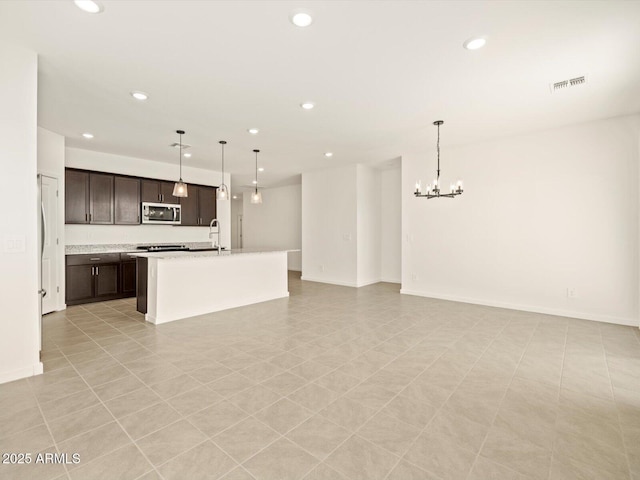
(572, 292)
(321, 268)
(414, 277)
(346, 237)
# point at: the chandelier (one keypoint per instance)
(434, 190)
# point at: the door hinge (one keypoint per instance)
(56, 193)
(57, 241)
(58, 289)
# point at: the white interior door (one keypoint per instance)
(49, 238)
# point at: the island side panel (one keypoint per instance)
(191, 286)
(141, 284)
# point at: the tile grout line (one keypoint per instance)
(354, 433)
(555, 426)
(438, 410)
(44, 419)
(524, 351)
(613, 394)
(114, 417)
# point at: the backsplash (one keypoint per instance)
(135, 234)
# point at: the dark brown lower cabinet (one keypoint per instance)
(106, 280)
(128, 278)
(79, 284)
(95, 278)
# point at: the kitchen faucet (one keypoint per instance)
(212, 233)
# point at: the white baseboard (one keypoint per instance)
(25, 372)
(344, 284)
(391, 280)
(328, 280)
(631, 322)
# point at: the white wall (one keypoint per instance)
(109, 234)
(541, 213)
(275, 223)
(329, 226)
(368, 225)
(236, 213)
(390, 225)
(51, 163)
(342, 225)
(19, 320)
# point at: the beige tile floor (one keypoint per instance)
(332, 383)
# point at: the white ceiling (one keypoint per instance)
(379, 72)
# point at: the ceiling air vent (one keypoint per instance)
(177, 145)
(566, 84)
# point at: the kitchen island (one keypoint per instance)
(177, 285)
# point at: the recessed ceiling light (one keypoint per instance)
(255, 182)
(187, 155)
(139, 95)
(328, 154)
(475, 43)
(89, 6)
(87, 135)
(261, 169)
(301, 19)
(307, 105)
(235, 196)
(253, 131)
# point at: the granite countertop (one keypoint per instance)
(124, 247)
(212, 253)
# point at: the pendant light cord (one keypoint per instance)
(180, 158)
(256, 172)
(222, 179)
(438, 147)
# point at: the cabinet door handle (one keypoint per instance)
(90, 218)
(95, 258)
(93, 271)
(97, 270)
(86, 217)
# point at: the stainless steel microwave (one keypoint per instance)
(161, 213)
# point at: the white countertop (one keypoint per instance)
(211, 253)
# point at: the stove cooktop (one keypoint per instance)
(162, 248)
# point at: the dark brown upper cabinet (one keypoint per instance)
(189, 207)
(76, 196)
(126, 200)
(199, 208)
(88, 197)
(101, 199)
(108, 199)
(157, 191)
(207, 204)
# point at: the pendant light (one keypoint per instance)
(256, 196)
(180, 188)
(433, 191)
(223, 190)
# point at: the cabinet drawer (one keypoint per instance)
(93, 259)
